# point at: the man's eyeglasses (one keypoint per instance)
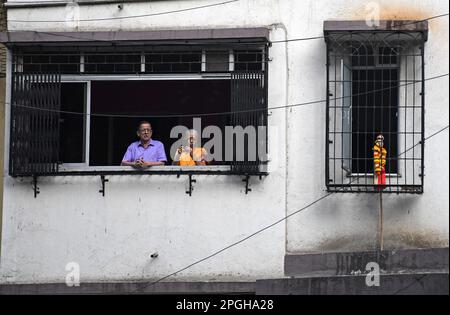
(145, 130)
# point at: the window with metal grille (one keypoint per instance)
(139, 60)
(89, 116)
(173, 61)
(375, 83)
(248, 60)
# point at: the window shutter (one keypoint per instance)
(249, 107)
(35, 105)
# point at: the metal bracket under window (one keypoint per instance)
(104, 180)
(35, 186)
(191, 187)
(247, 183)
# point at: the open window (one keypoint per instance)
(76, 110)
(375, 86)
(118, 106)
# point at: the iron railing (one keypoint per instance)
(375, 84)
(34, 143)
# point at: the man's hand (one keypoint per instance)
(139, 163)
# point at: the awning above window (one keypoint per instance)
(247, 35)
(403, 29)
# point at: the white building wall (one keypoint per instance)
(112, 237)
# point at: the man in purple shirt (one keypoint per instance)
(146, 151)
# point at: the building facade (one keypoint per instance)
(323, 77)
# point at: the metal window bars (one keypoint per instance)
(34, 142)
(375, 84)
(249, 107)
(36, 92)
(138, 61)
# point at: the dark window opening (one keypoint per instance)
(167, 62)
(112, 63)
(363, 56)
(110, 136)
(72, 126)
(388, 55)
(375, 111)
(52, 62)
(248, 60)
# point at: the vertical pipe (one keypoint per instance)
(381, 221)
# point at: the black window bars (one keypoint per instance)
(139, 60)
(375, 84)
(36, 92)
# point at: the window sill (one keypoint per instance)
(72, 170)
(162, 168)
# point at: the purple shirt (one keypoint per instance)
(154, 152)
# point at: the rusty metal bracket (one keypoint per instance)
(247, 183)
(104, 180)
(35, 186)
(191, 187)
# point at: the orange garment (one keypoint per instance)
(379, 159)
(198, 156)
(379, 165)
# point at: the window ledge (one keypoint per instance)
(165, 168)
(72, 170)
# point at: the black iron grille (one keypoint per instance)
(34, 124)
(137, 61)
(375, 84)
(37, 89)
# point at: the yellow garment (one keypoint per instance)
(379, 158)
(198, 156)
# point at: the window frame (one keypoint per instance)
(338, 37)
(87, 78)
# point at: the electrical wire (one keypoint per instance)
(231, 42)
(222, 113)
(130, 16)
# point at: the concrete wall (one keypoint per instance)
(112, 237)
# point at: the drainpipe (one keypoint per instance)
(286, 112)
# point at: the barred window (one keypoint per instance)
(375, 88)
(80, 105)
